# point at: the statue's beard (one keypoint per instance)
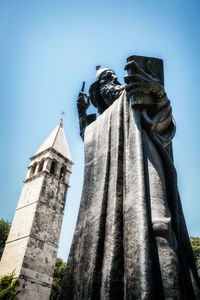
(110, 92)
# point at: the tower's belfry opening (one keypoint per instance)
(32, 244)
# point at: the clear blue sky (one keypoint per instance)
(49, 47)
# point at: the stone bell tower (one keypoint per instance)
(32, 244)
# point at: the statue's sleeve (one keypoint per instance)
(162, 124)
(84, 121)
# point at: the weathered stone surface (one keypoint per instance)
(30, 289)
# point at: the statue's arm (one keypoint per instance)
(83, 103)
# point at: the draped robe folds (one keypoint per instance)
(130, 240)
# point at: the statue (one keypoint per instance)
(131, 240)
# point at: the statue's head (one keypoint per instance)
(105, 89)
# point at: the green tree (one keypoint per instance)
(8, 287)
(4, 230)
(195, 242)
(57, 278)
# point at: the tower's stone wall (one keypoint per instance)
(13, 256)
(30, 192)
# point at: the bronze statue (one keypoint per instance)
(131, 240)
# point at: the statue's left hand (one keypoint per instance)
(83, 103)
(146, 83)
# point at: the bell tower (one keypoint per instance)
(32, 244)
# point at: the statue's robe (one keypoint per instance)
(131, 240)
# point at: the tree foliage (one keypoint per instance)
(57, 278)
(195, 242)
(8, 287)
(4, 230)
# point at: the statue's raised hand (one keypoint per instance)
(142, 82)
(83, 102)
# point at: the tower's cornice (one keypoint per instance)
(54, 151)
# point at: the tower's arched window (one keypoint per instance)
(32, 171)
(53, 167)
(62, 173)
(41, 165)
